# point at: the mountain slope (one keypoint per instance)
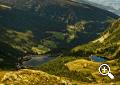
(86, 70)
(42, 17)
(107, 45)
(37, 26)
(111, 5)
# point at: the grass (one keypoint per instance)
(108, 46)
(1, 75)
(82, 64)
(92, 67)
(30, 77)
(85, 70)
(81, 70)
(57, 67)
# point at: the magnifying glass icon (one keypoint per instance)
(104, 70)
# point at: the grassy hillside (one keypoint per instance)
(31, 77)
(67, 71)
(108, 44)
(79, 67)
(81, 70)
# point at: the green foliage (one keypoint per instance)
(72, 30)
(49, 43)
(19, 40)
(57, 35)
(57, 67)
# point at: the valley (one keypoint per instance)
(50, 43)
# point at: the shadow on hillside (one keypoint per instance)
(8, 56)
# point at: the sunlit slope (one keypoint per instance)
(91, 67)
(29, 77)
(107, 45)
(81, 70)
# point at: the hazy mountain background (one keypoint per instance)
(111, 5)
(115, 4)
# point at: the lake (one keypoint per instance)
(97, 58)
(36, 60)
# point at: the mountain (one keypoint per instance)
(53, 15)
(51, 28)
(78, 66)
(110, 5)
(115, 4)
(108, 44)
(37, 26)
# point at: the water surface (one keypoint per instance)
(98, 58)
(37, 60)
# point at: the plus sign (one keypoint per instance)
(104, 70)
